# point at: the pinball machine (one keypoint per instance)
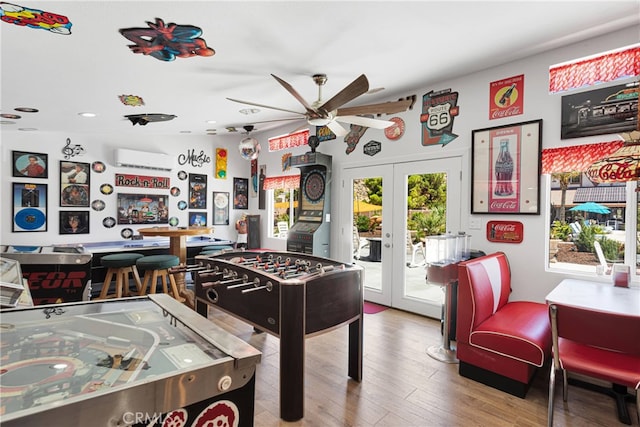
(292, 296)
(311, 232)
(136, 361)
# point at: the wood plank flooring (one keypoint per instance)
(402, 386)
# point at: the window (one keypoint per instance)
(285, 205)
(573, 232)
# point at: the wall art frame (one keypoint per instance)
(75, 181)
(74, 222)
(29, 211)
(27, 164)
(505, 169)
(220, 208)
(240, 193)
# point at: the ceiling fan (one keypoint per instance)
(328, 113)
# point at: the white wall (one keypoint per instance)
(530, 281)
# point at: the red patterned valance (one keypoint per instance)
(286, 182)
(597, 69)
(577, 157)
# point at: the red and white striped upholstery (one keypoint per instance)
(510, 339)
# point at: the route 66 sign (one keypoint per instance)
(438, 111)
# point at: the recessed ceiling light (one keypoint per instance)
(248, 111)
(211, 121)
(27, 109)
(87, 114)
(185, 131)
(10, 116)
(7, 122)
(27, 129)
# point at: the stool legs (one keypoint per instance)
(122, 281)
(150, 282)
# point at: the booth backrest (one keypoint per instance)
(484, 287)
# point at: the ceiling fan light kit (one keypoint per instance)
(329, 113)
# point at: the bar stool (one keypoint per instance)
(120, 265)
(155, 267)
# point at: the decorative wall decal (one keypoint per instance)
(131, 100)
(34, 18)
(126, 233)
(29, 207)
(324, 133)
(98, 167)
(505, 231)
(32, 165)
(438, 110)
(197, 191)
(506, 97)
(254, 178)
(106, 189)
(74, 222)
(193, 159)
(261, 191)
(109, 222)
(143, 119)
(354, 135)
(372, 148)
(286, 161)
(240, 193)
(97, 205)
(396, 131)
(142, 181)
(70, 151)
(166, 42)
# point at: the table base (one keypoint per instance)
(618, 392)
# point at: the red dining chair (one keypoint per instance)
(595, 344)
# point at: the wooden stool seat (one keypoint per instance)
(155, 267)
(120, 265)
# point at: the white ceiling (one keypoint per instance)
(400, 46)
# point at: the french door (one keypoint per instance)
(391, 250)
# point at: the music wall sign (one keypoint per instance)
(141, 181)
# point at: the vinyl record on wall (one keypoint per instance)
(30, 219)
(97, 205)
(174, 221)
(109, 222)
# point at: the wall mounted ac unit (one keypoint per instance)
(143, 160)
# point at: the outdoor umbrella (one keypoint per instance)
(591, 207)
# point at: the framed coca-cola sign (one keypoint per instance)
(505, 169)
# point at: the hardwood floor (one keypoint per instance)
(402, 386)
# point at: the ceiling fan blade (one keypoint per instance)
(382, 108)
(302, 126)
(265, 106)
(349, 93)
(337, 128)
(366, 122)
(279, 120)
(294, 92)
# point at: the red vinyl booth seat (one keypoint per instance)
(499, 343)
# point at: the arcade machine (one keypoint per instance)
(311, 232)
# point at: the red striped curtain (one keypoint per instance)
(598, 69)
(577, 157)
(284, 181)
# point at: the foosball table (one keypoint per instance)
(290, 295)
